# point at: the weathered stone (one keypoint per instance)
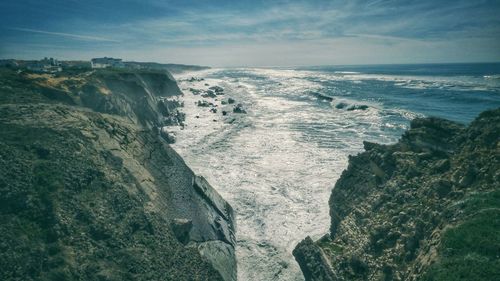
(395, 205)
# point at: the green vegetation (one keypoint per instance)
(70, 207)
(471, 250)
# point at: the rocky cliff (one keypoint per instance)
(425, 208)
(90, 190)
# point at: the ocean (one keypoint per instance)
(277, 164)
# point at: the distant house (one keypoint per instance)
(106, 62)
(9, 63)
(47, 65)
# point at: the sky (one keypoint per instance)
(232, 33)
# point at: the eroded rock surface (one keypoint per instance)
(89, 190)
(426, 208)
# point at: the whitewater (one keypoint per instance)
(277, 164)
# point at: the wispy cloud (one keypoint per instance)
(234, 32)
(68, 35)
(385, 37)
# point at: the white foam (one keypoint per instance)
(277, 164)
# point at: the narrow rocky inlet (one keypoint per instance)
(275, 164)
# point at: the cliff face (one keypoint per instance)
(90, 191)
(426, 208)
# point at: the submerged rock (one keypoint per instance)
(321, 96)
(341, 105)
(357, 107)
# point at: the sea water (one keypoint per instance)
(277, 164)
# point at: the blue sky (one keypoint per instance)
(253, 33)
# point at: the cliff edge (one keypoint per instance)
(425, 208)
(90, 188)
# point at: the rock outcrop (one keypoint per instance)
(89, 190)
(425, 208)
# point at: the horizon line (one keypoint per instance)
(274, 66)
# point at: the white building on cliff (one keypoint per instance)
(106, 62)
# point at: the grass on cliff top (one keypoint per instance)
(471, 250)
(128, 71)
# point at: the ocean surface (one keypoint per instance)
(277, 164)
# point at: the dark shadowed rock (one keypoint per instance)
(341, 105)
(181, 229)
(356, 107)
(209, 94)
(239, 109)
(217, 89)
(312, 262)
(203, 103)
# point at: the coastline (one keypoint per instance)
(209, 141)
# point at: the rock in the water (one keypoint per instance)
(341, 105)
(194, 79)
(312, 262)
(239, 109)
(195, 91)
(357, 107)
(209, 94)
(217, 89)
(203, 103)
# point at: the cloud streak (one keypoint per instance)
(336, 30)
(67, 35)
